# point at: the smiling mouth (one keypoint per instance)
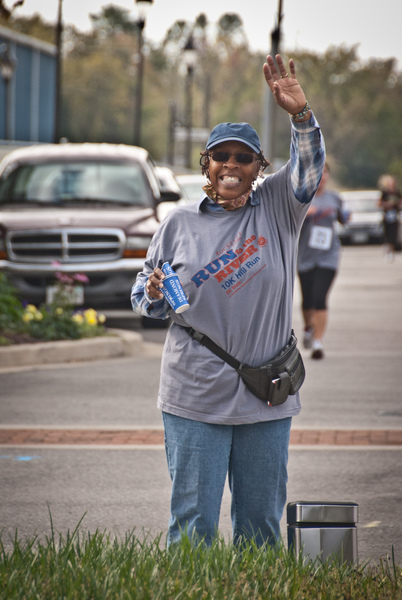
(230, 181)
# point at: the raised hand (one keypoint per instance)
(284, 86)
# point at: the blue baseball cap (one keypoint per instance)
(239, 132)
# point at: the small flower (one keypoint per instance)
(91, 316)
(27, 316)
(38, 316)
(81, 278)
(101, 319)
(59, 310)
(31, 309)
(78, 318)
(64, 278)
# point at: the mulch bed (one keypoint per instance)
(18, 338)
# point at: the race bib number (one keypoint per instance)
(390, 216)
(320, 238)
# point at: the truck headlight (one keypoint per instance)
(3, 253)
(136, 246)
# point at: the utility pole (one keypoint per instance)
(143, 8)
(57, 104)
(189, 58)
(139, 84)
(269, 104)
(171, 133)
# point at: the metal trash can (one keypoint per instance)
(323, 530)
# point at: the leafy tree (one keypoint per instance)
(6, 12)
(33, 26)
(357, 103)
(357, 106)
(98, 91)
(230, 31)
(113, 20)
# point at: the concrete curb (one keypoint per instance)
(119, 343)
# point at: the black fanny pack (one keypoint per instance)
(273, 381)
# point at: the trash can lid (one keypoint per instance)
(322, 512)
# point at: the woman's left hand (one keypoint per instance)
(154, 284)
(286, 89)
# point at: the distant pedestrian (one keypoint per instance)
(390, 203)
(318, 260)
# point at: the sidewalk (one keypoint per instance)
(116, 343)
(32, 437)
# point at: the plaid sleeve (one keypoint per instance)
(307, 158)
(144, 304)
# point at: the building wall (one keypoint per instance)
(29, 101)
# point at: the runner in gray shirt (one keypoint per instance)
(318, 260)
(235, 253)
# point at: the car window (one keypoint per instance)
(361, 201)
(193, 190)
(192, 186)
(362, 205)
(58, 182)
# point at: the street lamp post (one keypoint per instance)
(143, 6)
(57, 105)
(8, 64)
(269, 104)
(189, 57)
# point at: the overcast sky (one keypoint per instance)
(308, 24)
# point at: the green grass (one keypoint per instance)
(98, 566)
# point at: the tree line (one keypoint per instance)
(357, 103)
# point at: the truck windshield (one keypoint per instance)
(59, 183)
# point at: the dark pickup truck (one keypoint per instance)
(78, 208)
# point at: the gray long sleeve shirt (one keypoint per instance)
(237, 269)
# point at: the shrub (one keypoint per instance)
(11, 309)
(55, 321)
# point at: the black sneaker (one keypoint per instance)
(317, 353)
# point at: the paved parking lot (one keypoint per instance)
(86, 438)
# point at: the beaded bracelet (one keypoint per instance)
(300, 116)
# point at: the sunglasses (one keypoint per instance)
(243, 158)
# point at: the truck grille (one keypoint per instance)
(65, 245)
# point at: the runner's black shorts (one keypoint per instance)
(315, 285)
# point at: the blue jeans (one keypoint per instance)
(200, 455)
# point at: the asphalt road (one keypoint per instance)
(120, 488)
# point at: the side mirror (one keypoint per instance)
(169, 196)
(169, 188)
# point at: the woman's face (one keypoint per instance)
(232, 179)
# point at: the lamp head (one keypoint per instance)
(190, 53)
(143, 9)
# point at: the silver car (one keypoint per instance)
(365, 223)
(192, 185)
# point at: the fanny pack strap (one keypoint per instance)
(204, 340)
(272, 382)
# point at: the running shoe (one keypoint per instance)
(308, 337)
(318, 351)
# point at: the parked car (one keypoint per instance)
(191, 185)
(365, 224)
(168, 181)
(78, 208)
